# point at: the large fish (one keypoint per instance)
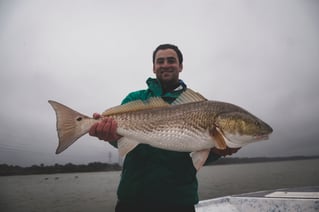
(190, 124)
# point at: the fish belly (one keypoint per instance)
(176, 129)
(171, 139)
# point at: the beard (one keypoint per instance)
(167, 75)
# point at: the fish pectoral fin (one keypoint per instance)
(125, 145)
(218, 138)
(199, 158)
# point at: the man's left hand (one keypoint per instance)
(224, 152)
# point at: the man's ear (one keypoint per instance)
(154, 69)
(180, 67)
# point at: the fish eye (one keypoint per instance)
(79, 118)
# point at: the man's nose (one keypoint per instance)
(165, 63)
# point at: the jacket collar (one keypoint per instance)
(156, 88)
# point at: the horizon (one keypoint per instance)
(119, 163)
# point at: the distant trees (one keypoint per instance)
(57, 168)
(232, 160)
(97, 166)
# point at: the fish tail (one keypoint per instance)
(70, 124)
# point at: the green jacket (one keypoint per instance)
(156, 176)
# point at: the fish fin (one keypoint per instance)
(218, 138)
(126, 145)
(154, 102)
(199, 158)
(70, 125)
(189, 96)
(151, 103)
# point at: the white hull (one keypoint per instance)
(305, 199)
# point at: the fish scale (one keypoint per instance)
(179, 127)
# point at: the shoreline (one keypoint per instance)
(11, 170)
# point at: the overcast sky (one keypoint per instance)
(260, 55)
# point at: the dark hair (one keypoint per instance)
(169, 46)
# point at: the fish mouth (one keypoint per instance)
(236, 141)
(261, 137)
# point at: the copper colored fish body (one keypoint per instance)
(190, 124)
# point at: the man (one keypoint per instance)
(155, 179)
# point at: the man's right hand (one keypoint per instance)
(105, 129)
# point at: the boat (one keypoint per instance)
(303, 199)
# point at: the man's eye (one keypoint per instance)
(171, 61)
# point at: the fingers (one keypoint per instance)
(96, 115)
(233, 150)
(92, 131)
(221, 152)
(105, 130)
(224, 152)
(112, 128)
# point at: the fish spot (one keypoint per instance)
(79, 118)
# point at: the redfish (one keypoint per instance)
(190, 124)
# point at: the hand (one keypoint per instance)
(224, 152)
(105, 129)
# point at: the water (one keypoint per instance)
(97, 191)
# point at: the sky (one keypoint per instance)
(260, 55)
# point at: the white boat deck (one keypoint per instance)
(305, 199)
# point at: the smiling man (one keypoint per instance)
(154, 179)
(167, 64)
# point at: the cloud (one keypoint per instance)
(259, 55)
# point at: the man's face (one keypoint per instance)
(166, 66)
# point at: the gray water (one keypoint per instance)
(97, 191)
